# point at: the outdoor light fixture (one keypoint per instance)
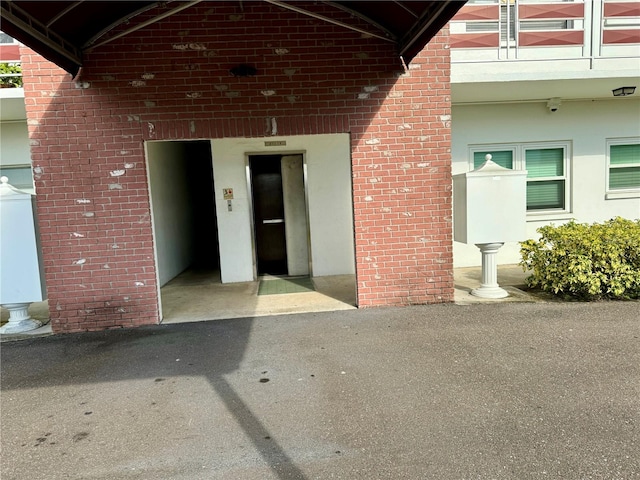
(623, 91)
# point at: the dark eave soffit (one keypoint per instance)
(62, 31)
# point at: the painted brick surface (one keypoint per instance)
(171, 81)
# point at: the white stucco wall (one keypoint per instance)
(14, 143)
(586, 125)
(170, 208)
(15, 157)
(330, 208)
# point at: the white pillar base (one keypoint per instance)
(489, 287)
(19, 319)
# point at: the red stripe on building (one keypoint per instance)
(475, 40)
(550, 38)
(621, 36)
(10, 53)
(477, 12)
(622, 9)
(552, 10)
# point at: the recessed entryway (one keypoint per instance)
(205, 235)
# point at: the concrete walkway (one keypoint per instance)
(511, 278)
(199, 296)
(508, 390)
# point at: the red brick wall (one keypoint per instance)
(171, 81)
(402, 188)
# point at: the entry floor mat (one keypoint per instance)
(279, 286)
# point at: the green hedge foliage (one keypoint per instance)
(10, 75)
(586, 262)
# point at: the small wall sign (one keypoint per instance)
(227, 193)
(275, 143)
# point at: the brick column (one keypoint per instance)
(402, 188)
(93, 204)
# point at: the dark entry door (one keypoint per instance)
(268, 211)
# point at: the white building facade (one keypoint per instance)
(535, 84)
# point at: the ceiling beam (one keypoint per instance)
(361, 16)
(113, 25)
(289, 6)
(62, 13)
(424, 22)
(40, 32)
(406, 9)
(146, 23)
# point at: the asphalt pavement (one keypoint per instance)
(484, 391)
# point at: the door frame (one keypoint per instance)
(247, 166)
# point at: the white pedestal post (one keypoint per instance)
(21, 275)
(489, 285)
(19, 319)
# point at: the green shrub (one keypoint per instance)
(10, 75)
(585, 261)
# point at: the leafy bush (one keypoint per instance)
(10, 75)
(585, 261)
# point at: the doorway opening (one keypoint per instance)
(205, 241)
(281, 233)
(183, 208)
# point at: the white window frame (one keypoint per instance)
(502, 147)
(618, 192)
(27, 187)
(519, 163)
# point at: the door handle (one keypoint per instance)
(274, 220)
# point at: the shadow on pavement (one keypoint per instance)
(117, 355)
(506, 390)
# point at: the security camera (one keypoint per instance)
(553, 104)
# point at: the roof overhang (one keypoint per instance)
(63, 31)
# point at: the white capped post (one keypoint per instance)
(21, 276)
(489, 209)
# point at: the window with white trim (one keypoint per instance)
(20, 176)
(547, 165)
(623, 165)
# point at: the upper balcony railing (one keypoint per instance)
(532, 30)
